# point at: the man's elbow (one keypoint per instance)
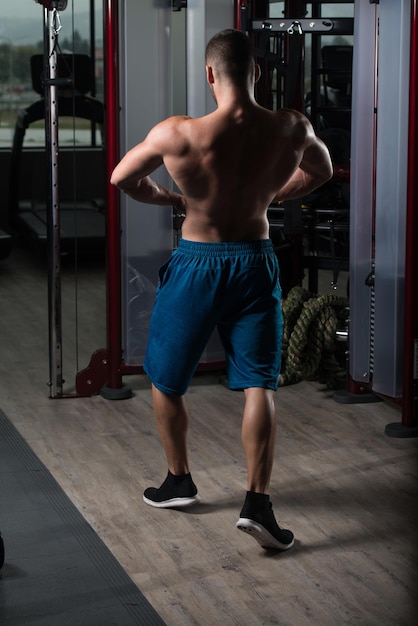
(116, 180)
(318, 180)
(324, 174)
(327, 175)
(120, 182)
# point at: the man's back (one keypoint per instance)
(229, 165)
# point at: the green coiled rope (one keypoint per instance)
(309, 349)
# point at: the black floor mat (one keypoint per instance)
(57, 570)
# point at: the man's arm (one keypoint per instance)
(131, 175)
(314, 170)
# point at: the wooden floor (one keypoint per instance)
(347, 490)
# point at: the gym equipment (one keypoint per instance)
(312, 329)
(315, 229)
(383, 331)
(81, 220)
(63, 80)
(336, 72)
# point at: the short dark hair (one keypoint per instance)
(231, 52)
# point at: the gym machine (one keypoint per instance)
(383, 331)
(51, 28)
(383, 328)
(53, 74)
(82, 220)
(312, 234)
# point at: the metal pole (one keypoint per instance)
(410, 373)
(93, 60)
(113, 274)
(53, 224)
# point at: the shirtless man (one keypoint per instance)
(229, 166)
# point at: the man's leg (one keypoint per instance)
(173, 421)
(178, 489)
(258, 439)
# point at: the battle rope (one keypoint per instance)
(309, 350)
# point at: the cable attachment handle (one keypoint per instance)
(56, 21)
(296, 25)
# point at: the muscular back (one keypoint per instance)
(230, 166)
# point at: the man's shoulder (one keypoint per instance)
(173, 123)
(178, 119)
(285, 117)
(292, 116)
(169, 132)
(294, 122)
(183, 129)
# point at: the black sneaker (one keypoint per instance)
(263, 527)
(175, 492)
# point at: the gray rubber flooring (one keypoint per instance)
(57, 570)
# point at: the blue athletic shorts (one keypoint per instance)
(233, 286)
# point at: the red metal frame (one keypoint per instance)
(104, 367)
(114, 269)
(410, 385)
(240, 5)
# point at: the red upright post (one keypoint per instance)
(240, 7)
(113, 239)
(410, 378)
(409, 425)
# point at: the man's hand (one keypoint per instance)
(145, 189)
(179, 204)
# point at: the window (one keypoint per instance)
(21, 37)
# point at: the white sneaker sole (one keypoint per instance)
(174, 503)
(261, 535)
